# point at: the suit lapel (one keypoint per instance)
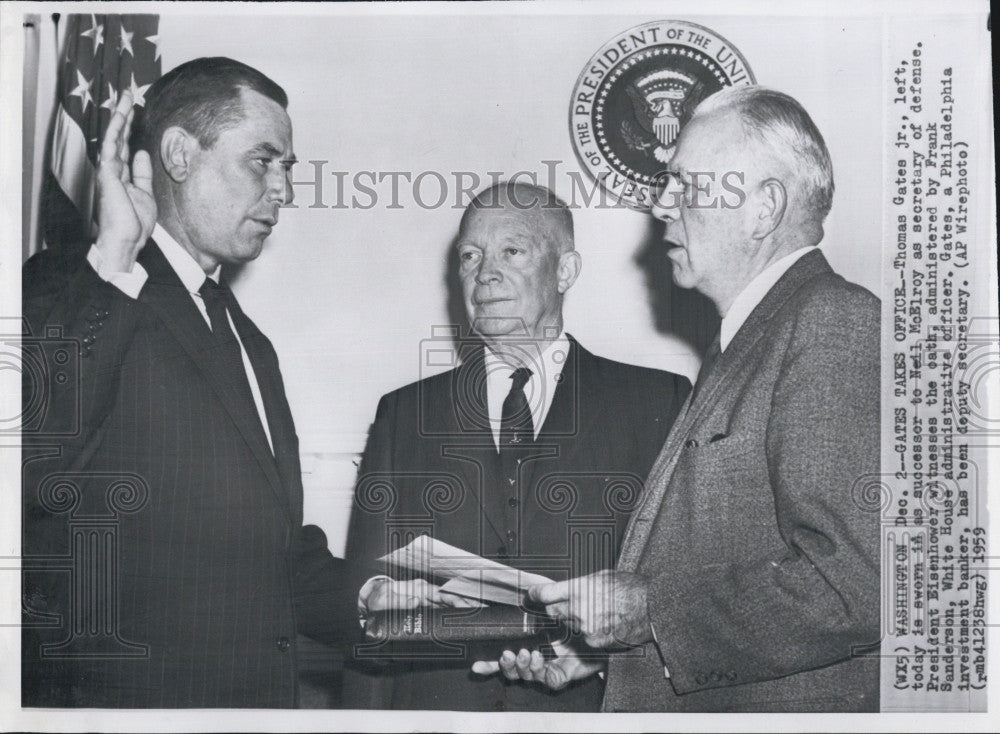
(561, 427)
(168, 297)
(276, 410)
(752, 330)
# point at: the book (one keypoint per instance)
(482, 633)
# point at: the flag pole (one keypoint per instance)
(28, 112)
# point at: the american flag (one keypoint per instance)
(102, 56)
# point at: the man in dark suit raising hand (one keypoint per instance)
(211, 574)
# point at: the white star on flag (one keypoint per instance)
(95, 34)
(126, 43)
(112, 101)
(155, 40)
(138, 93)
(82, 90)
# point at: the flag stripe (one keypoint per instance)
(71, 166)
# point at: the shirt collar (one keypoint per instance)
(549, 366)
(187, 269)
(749, 298)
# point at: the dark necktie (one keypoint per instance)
(711, 357)
(516, 426)
(217, 296)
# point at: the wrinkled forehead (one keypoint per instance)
(500, 222)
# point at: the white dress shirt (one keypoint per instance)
(751, 296)
(192, 276)
(546, 373)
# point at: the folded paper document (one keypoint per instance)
(463, 573)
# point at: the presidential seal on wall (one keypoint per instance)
(637, 92)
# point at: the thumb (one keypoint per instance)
(142, 172)
(485, 667)
(557, 676)
(549, 593)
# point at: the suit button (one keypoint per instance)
(731, 675)
(512, 502)
(691, 443)
(511, 536)
(700, 679)
(284, 643)
(715, 676)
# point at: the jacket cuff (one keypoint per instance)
(130, 283)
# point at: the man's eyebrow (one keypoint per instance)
(272, 151)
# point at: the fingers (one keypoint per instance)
(425, 592)
(508, 665)
(559, 610)
(142, 172)
(549, 593)
(528, 666)
(412, 594)
(388, 594)
(536, 666)
(112, 143)
(454, 600)
(123, 154)
(523, 664)
(532, 666)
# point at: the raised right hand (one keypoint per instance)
(125, 204)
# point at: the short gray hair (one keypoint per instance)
(784, 128)
(528, 197)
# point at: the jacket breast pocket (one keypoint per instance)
(723, 488)
(721, 450)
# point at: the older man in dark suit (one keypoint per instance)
(533, 451)
(175, 498)
(749, 578)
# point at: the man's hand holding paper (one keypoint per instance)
(469, 579)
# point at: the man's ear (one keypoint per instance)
(177, 148)
(568, 271)
(772, 200)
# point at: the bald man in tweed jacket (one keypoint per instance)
(749, 577)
